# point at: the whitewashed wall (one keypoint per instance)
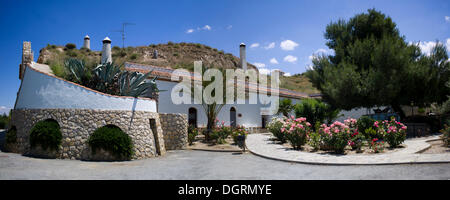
(251, 116)
(39, 91)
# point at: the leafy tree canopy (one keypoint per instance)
(373, 65)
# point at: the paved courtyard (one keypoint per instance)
(190, 164)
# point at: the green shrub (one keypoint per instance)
(111, 138)
(11, 135)
(364, 123)
(238, 131)
(47, 134)
(371, 133)
(314, 140)
(71, 46)
(192, 133)
(221, 133)
(314, 110)
(170, 43)
(446, 135)
(116, 48)
(72, 53)
(376, 145)
(274, 127)
(133, 56)
(198, 45)
(4, 120)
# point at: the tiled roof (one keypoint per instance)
(165, 73)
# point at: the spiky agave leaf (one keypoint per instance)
(106, 74)
(133, 83)
(76, 68)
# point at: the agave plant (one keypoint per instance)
(76, 69)
(106, 75)
(134, 84)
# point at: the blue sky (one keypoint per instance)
(298, 25)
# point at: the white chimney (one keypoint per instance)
(87, 42)
(106, 51)
(242, 56)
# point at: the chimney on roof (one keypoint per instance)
(242, 56)
(27, 58)
(106, 51)
(87, 42)
(155, 54)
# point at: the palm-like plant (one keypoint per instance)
(133, 84)
(285, 107)
(106, 75)
(76, 69)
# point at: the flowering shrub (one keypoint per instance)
(314, 140)
(192, 133)
(238, 131)
(221, 132)
(275, 126)
(356, 139)
(335, 137)
(296, 131)
(393, 132)
(376, 146)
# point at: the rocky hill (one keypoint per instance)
(174, 55)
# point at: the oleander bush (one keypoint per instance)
(393, 132)
(221, 132)
(376, 145)
(336, 137)
(192, 133)
(111, 138)
(46, 134)
(446, 135)
(296, 131)
(11, 135)
(238, 131)
(275, 126)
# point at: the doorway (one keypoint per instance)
(233, 117)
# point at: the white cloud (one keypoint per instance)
(427, 46)
(259, 65)
(207, 27)
(4, 109)
(264, 71)
(447, 44)
(254, 45)
(288, 45)
(229, 27)
(287, 74)
(447, 18)
(290, 58)
(270, 46)
(190, 31)
(274, 61)
(320, 52)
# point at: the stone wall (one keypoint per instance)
(78, 124)
(175, 130)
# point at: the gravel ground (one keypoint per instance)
(188, 164)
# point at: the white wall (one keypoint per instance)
(39, 91)
(251, 116)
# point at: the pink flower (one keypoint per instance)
(283, 129)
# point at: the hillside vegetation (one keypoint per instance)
(174, 55)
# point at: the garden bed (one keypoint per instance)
(365, 150)
(201, 144)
